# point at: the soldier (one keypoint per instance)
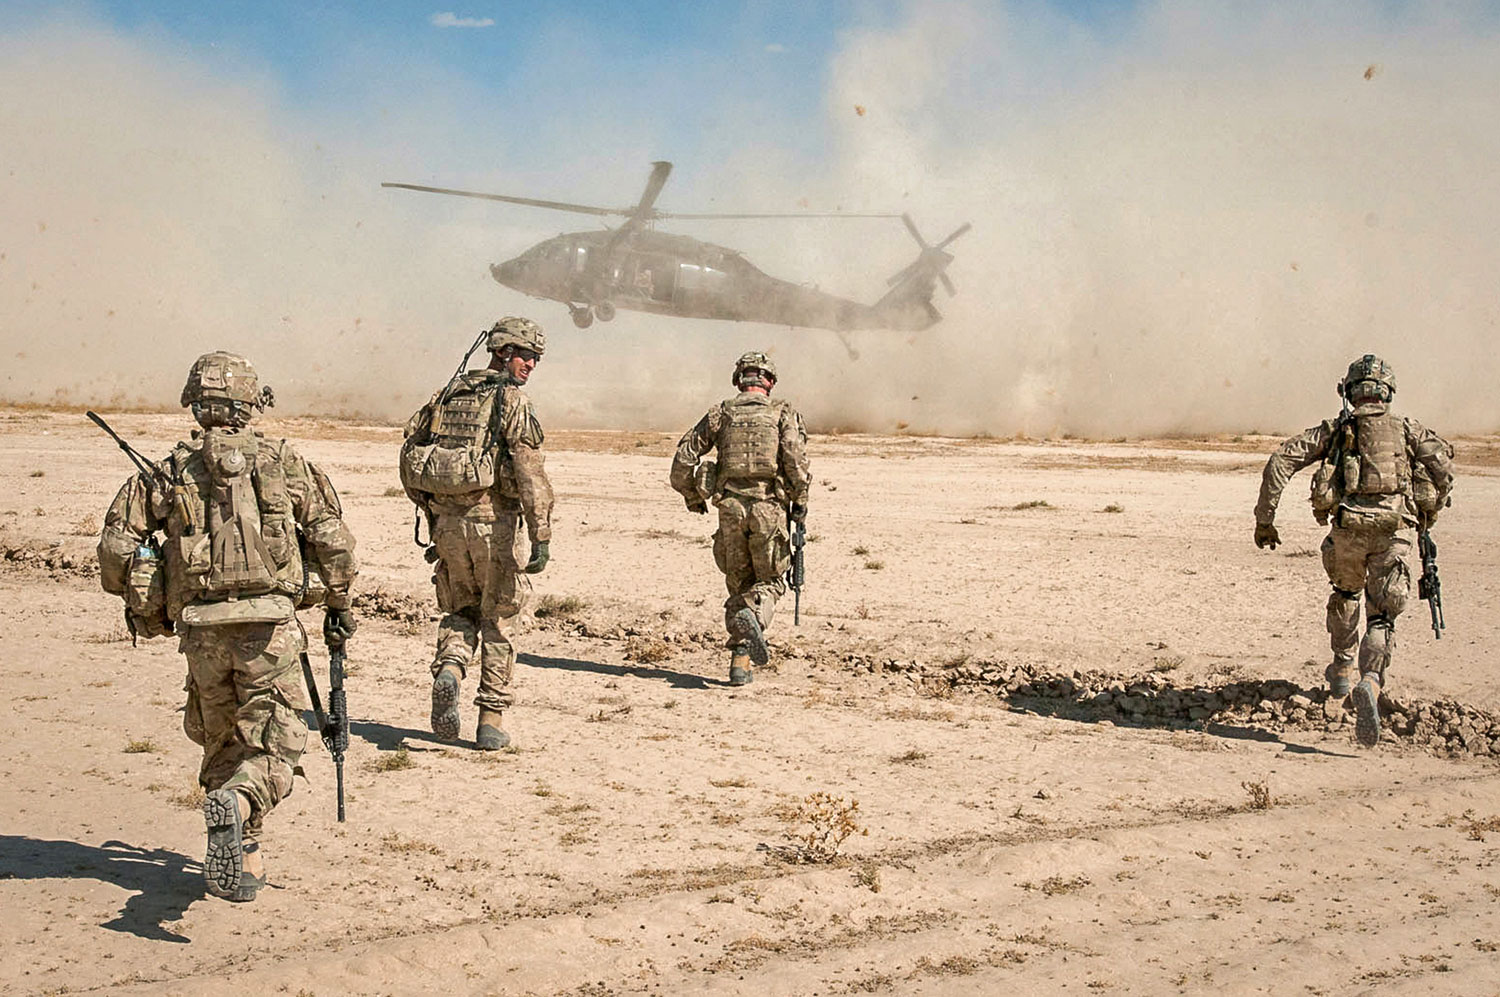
(761, 475)
(247, 524)
(472, 462)
(1380, 474)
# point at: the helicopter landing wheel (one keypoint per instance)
(604, 311)
(582, 317)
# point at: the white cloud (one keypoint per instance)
(776, 47)
(448, 19)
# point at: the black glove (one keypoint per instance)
(338, 626)
(697, 505)
(1266, 535)
(430, 554)
(799, 512)
(539, 557)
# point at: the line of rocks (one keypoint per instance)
(50, 557)
(1444, 727)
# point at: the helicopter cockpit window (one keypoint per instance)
(580, 258)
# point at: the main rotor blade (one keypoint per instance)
(645, 208)
(582, 209)
(799, 214)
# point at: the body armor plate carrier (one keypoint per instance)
(749, 441)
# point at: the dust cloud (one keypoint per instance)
(1186, 219)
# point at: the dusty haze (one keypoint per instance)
(1190, 225)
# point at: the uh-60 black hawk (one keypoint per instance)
(634, 266)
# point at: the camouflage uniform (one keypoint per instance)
(242, 645)
(481, 585)
(762, 471)
(1380, 474)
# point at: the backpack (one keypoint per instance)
(449, 447)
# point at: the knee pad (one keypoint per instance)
(1343, 617)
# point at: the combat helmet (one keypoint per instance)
(754, 360)
(222, 389)
(521, 333)
(1369, 379)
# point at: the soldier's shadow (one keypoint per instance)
(1064, 709)
(164, 883)
(677, 680)
(385, 737)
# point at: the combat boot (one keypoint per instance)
(1337, 675)
(745, 628)
(490, 737)
(223, 862)
(1367, 710)
(739, 667)
(445, 701)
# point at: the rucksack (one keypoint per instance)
(450, 444)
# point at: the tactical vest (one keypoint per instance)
(231, 532)
(456, 453)
(1368, 458)
(1378, 464)
(749, 441)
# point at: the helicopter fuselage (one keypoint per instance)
(668, 274)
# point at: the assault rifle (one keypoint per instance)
(333, 725)
(797, 573)
(153, 475)
(146, 467)
(1429, 587)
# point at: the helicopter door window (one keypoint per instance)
(580, 259)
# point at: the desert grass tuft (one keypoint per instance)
(393, 761)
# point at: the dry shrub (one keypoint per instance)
(1113, 507)
(395, 761)
(144, 746)
(559, 607)
(875, 565)
(647, 650)
(88, 526)
(861, 550)
(192, 799)
(1032, 504)
(830, 822)
(1260, 795)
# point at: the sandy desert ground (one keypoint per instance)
(1079, 712)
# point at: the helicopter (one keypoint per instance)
(634, 266)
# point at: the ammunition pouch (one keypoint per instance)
(1369, 520)
(146, 592)
(1325, 492)
(706, 481)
